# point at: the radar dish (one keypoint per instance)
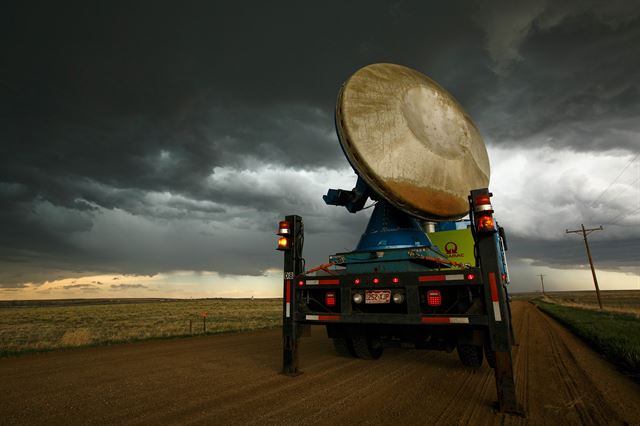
(411, 141)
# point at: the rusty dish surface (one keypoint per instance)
(411, 141)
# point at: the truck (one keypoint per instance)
(421, 276)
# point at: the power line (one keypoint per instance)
(586, 232)
(614, 181)
(624, 190)
(622, 216)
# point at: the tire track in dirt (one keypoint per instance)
(581, 393)
(365, 386)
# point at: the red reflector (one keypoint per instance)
(483, 199)
(376, 280)
(436, 320)
(283, 243)
(485, 223)
(395, 280)
(330, 298)
(434, 298)
(424, 278)
(470, 277)
(504, 277)
(356, 281)
(300, 283)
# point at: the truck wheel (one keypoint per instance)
(490, 356)
(367, 348)
(343, 347)
(470, 355)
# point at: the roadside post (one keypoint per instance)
(204, 321)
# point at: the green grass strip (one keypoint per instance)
(615, 335)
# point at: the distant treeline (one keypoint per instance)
(80, 302)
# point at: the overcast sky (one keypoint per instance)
(149, 148)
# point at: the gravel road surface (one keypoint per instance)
(233, 379)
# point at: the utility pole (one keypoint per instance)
(542, 282)
(584, 233)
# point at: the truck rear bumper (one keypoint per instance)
(327, 318)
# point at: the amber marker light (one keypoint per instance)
(283, 243)
(485, 223)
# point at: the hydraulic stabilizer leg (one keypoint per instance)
(495, 296)
(505, 384)
(290, 354)
(293, 266)
(500, 336)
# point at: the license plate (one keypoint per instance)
(377, 296)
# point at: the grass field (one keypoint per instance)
(617, 301)
(615, 335)
(35, 326)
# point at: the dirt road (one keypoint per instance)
(232, 379)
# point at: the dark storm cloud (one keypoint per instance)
(568, 77)
(145, 137)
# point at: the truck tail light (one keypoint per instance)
(482, 203)
(376, 280)
(483, 213)
(434, 298)
(284, 234)
(356, 281)
(470, 277)
(395, 280)
(330, 298)
(283, 228)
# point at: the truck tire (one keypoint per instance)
(490, 356)
(343, 347)
(367, 348)
(470, 355)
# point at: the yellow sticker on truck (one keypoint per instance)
(456, 245)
